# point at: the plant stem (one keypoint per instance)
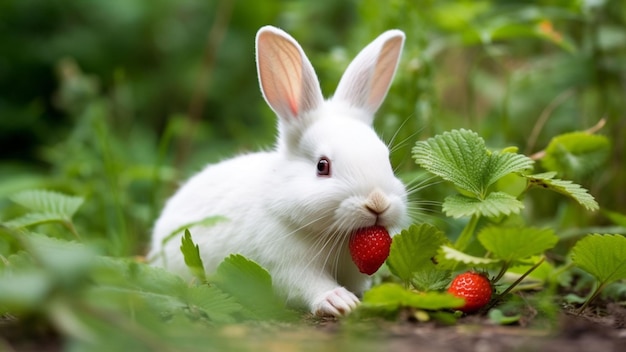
(70, 226)
(466, 236)
(508, 289)
(503, 270)
(591, 298)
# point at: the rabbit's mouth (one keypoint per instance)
(376, 209)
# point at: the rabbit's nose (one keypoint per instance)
(377, 203)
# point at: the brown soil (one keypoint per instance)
(588, 332)
(605, 332)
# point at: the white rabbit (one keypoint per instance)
(293, 209)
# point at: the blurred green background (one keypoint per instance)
(119, 100)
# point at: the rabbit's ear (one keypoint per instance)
(368, 77)
(288, 81)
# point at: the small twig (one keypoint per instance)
(597, 127)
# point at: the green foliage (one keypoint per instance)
(90, 297)
(251, 285)
(516, 244)
(49, 202)
(390, 297)
(45, 207)
(576, 154)
(568, 188)
(191, 254)
(603, 257)
(454, 256)
(413, 249)
(461, 157)
(495, 204)
(119, 122)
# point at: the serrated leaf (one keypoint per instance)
(494, 205)
(251, 285)
(391, 297)
(412, 250)
(51, 202)
(431, 278)
(458, 156)
(122, 282)
(603, 256)
(461, 157)
(579, 194)
(503, 163)
(219, 306)
(513, 244)
(67, 260)
(576, 154)
(32, 219)
(452, 254)
(191, 254)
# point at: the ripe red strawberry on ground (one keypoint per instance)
(369, 248)
(474, 287)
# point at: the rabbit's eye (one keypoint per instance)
(323, 167)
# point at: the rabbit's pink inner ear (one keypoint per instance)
(384, 71)
(280, 73)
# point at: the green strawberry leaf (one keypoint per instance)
(45, 206)
(450, 254)
(461, 157)
(251, 285)
(33, 219)
(65, 260)
(603, 256)
(390, 297)
(494, 205)
(219, 306)
(513, 244)
(576, 154)
(50, 202)
(191, 254)
(122, 282)
(431, 278)
(412, 250)
(547, 181)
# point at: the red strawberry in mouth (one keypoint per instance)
(369, 248)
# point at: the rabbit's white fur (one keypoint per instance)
(279, 212)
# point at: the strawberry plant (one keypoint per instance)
(491, 189)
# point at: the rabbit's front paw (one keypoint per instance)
(336, 302)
